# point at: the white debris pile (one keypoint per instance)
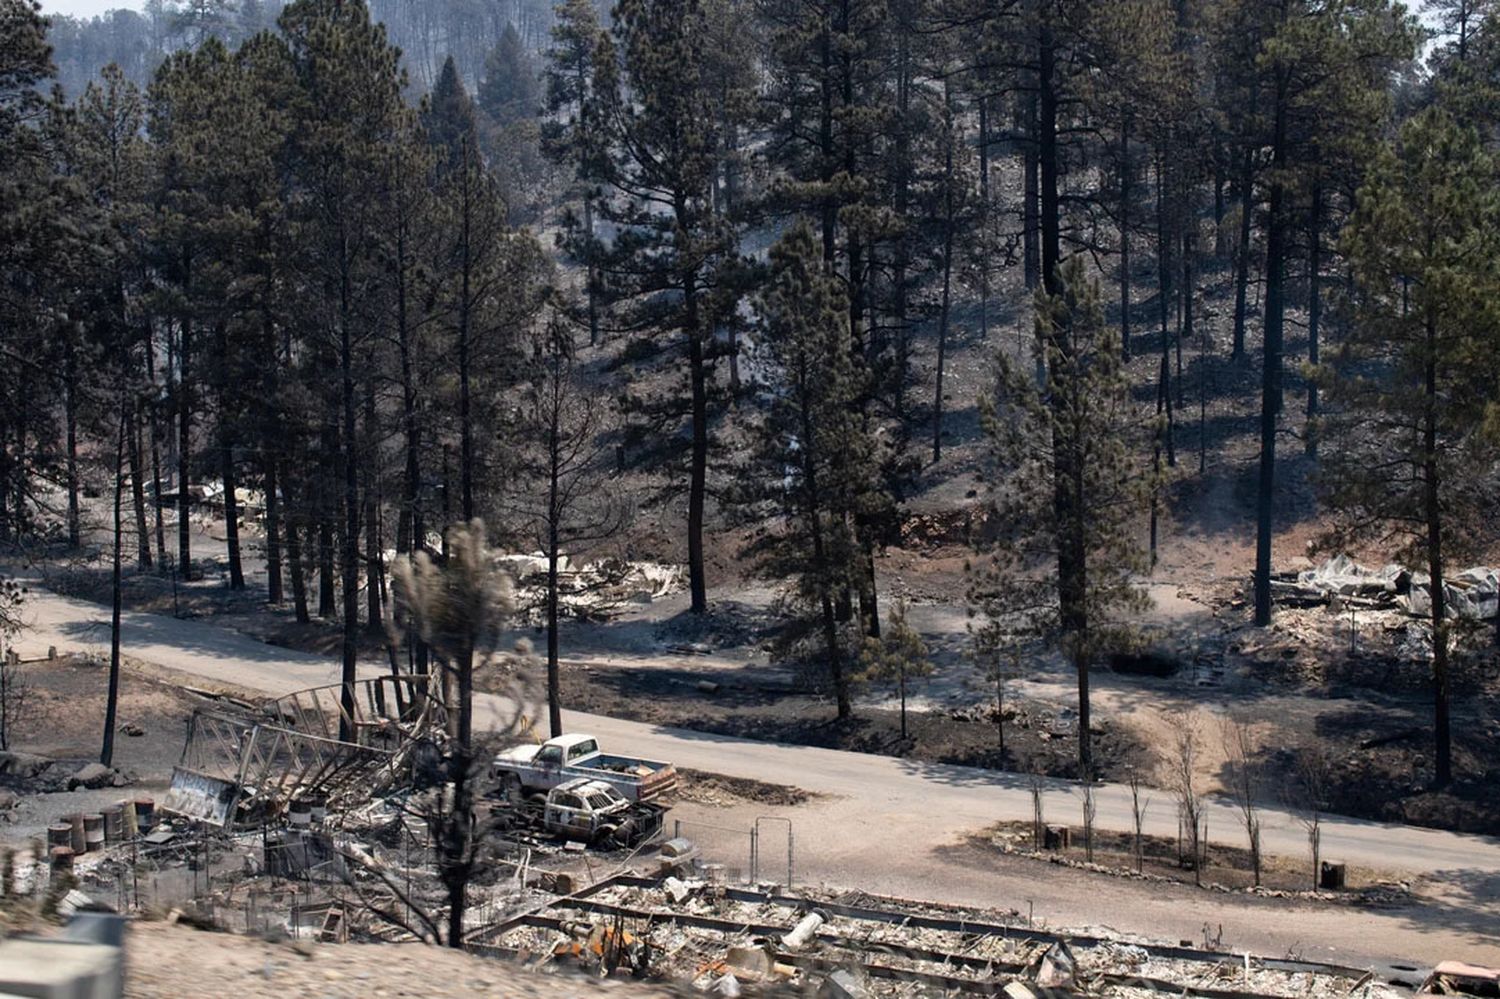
(591, 590)
(1473, 594)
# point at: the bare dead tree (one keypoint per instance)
(998, 656)
(565, 496)
(1090, 810)
(1182, 778)
(394, 900)
(1037, 820)
(1242, 756)
(459, 609)
(1138, 806)
(1311, 780)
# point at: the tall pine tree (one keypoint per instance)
(1412, 425)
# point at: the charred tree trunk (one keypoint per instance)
(1072, 566)
(591, 276)
(1125, 237)
(226, 463)
(698, 472)
(1432, 514)
(294, 557)
(374, 553)
(184, 449)
(275, 586)
(1189, 281)
(901, 252)
(1031, 186)
(1219, 242)
(983, 224)
(112, 699)
(1164, 302)
(1314, 310)
(409, 528)
(158, 498)
(827, 159)
(465, 346)
(812, 510)
(1271, 389)
(138, 490)
(554, 553)
(349, 543)
(70, 415)
(456, 825)
(1242, 256)
(949, 224)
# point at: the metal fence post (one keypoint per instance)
(754, 856)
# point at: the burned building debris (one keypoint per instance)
(1472, 594)
(723, 938)
(274, 825)
(242, 765)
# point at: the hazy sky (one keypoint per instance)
(88, 8)
(84, 8)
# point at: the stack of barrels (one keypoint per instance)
(91, 832)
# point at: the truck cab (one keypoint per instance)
(586, 810)
(590, 811)
(566, 749)
(536, 769)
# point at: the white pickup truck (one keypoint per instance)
(526, 770)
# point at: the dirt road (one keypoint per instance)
(900, 827)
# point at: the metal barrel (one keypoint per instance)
(145, 813)
(114, 824)
(129, 828)
(76, 837)
(93, 832)
(61, 858)
(60, 834)
(299, 813)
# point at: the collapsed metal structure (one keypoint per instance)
(697, 932)
(247, 764)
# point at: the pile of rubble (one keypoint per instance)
(592, 590)
(33, 774)
(723, 939)
(308, 814)
(1473, 594)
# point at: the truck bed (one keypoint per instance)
(649, 778)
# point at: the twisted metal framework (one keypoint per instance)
(249, 765)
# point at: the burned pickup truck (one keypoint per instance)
(585, 811)
(526, 770)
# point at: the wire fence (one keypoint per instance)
(761, 853)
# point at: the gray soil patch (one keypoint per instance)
(68, 697)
